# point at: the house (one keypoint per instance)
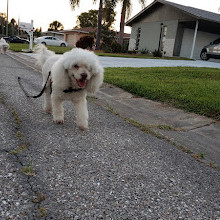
(73, 35)
(175, 29)
(126, 37)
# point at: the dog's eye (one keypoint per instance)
(76, 66)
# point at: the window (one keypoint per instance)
(138, 38)
(217, 41)
(164, 33)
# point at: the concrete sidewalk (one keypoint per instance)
(197, 135)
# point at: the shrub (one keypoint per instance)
(124, 48)
(157, 53)
(132, 51)
(116, 47)
(107, 50)
(85, 42)
(144, 51)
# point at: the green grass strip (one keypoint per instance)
(60, 50)
(192, 89)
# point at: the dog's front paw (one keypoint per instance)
(58, 120)
(83, 125)
(83, 128)
(48, 110)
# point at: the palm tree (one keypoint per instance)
(125, 12)
(55, 25)
(3, 18)
(75, 3)
(13, 26)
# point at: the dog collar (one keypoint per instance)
(70, 89)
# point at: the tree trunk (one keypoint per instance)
(13, 29)
(122, 25)
(99, 26)
(2, 23)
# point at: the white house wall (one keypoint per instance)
(150, 36)
(150, 29)
(202, 39)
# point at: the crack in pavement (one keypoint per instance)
(36, 212)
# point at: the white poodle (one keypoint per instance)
(73, 75)
(3, 46)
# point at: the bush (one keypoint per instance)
(132, 52)
(125, 47)
(107, 50)
(85, 42)
(116, 47)
(157, 53)
(144, 51)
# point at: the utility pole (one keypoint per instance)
(7, 21)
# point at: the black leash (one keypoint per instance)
(69, 90)
(35, 96)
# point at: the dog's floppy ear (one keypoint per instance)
(66, 63)
(96, 80)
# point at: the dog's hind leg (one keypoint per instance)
(47, 101)
(81, 111)
(57, 110)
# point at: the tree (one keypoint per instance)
(13, 22)
(108, 14)
(102, 3)
(88, 19)
(55, 26)
(125, 11)
(12, 26)
(37, 32)
(2, 21)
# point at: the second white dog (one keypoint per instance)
(73, 75)
(4, 46)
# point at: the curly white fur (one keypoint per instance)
(4, 46)
(76, 69)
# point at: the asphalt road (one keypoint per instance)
(138, 62)
(112, 171)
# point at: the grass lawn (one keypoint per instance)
(142, 56)
(61, 50)
(18, 48)
(193, 89)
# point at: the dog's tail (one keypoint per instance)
(42, 54)
(2, 40)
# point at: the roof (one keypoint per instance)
(53, 32)
(88, 30)
(85, 30)
(194, 12)
(125, 35)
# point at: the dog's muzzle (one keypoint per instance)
(82, 81)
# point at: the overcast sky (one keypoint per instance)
(44, 12)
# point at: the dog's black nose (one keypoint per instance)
(83, 75)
